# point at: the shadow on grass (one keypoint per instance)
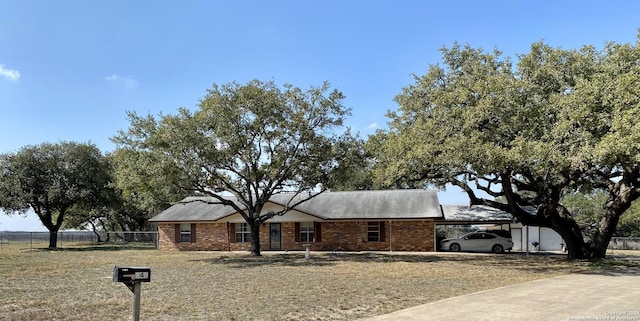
(316, 259)
(534, 264)
(614, 267)
(247, 261)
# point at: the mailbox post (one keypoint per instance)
(132, 277)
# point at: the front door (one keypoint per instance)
(275, 236)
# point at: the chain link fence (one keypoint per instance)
(67, 239)
(624, 243)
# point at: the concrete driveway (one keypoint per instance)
(609, 295)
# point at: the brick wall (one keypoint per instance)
(209, 237)
(348, 236)
(412, 236)
(399, 236)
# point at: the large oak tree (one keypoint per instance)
(558, 122)
(135, 194)
(51, 179)
(249, 140)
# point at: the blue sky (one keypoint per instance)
(69, 70)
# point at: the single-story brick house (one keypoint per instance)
(397, 220)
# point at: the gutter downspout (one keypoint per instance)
(527, 241)
(228, 238)
(390, 225)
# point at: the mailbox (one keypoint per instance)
(131, 277)
(131, 274)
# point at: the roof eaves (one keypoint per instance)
(377, 219)
(299, 210)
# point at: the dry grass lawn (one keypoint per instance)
(76, 284)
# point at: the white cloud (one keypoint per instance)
(9, 74)
(112, 78)
(373, 125)
(126, 81)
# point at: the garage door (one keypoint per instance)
(550, 240)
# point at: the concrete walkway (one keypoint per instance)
(609, 295)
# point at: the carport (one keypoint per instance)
(460, 219)
(490, 218)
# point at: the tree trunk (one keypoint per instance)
(53, 229)
(607, 226)
(53, 239)
(563, 223)
(95, 231)
(574, 243)
(558, 218)
(106, 230)
(577, 248)
(255, 238)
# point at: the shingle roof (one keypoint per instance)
(385, 204)
(361, 205)
(195, 208)
(476, 213)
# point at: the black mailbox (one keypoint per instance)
(131, 274)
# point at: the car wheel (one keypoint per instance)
(497, 248)
(455, 247)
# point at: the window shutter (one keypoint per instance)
(177, 233)
(382, 232)
(232, 232)
(317, 232)
(297, 231)
(193, 233)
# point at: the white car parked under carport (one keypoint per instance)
(484, 241)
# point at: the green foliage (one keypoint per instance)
(51, 179)
(251, 141)
(353, 167)
(587, 210)
(142, 187)
(559, 121)
(477, 114)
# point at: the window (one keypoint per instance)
(480, 236)
(306, 232)
(185, 233)
(475, 236)
(243, 233)
(373, 232)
